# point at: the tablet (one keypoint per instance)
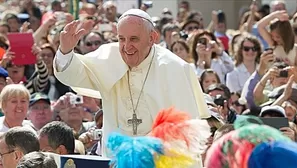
(21, 44)
(276, 122)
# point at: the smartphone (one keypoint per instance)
(105, 27)
(269, 49)
(275, 122)
(221, 16)
(202, 40)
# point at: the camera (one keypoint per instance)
(221, 16)
(219, 100)
(283, 73)
(97, 134)
(202, 41)
(76, 99)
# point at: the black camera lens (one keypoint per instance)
(283, 73)
(78, 99)
(219, 100)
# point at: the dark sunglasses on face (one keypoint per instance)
(246, 49)
(91, 43)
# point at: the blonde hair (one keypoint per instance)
(13, 90)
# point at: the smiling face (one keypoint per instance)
(16, 108)
(209, 80)
(249, 51)
(135, 39)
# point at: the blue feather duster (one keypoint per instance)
(133, 152)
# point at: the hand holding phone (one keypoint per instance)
(287, 131)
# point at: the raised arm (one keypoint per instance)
(264, 22)
(90, 73)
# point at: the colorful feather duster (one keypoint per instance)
(184, 139)
(134, 152)
(234, 149)
(179, 132)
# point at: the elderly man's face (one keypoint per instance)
(7, 156)
(74, 113)
(135, 40)
(40, 114)
(278, 7)
(110, 12)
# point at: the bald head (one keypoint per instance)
(277, 5)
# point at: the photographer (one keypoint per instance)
(208, 53)
(273, 78)
(222, 98)
(73, 110)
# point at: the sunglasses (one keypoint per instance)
(246, 49)
(91, 43)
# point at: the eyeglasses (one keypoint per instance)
(246, 48)
(91, 43)
(192, 28)
(3, 154)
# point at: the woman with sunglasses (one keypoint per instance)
(246, 57)
(91, 42)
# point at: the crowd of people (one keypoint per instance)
(92, 73)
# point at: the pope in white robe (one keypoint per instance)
(166, 80)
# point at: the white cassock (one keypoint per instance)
(170, 82)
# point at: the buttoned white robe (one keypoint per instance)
(171, 82)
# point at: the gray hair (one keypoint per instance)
(37, 160)
(58, 133)
(22, 138)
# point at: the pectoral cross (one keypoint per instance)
(134, 121)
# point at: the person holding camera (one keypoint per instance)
(71, 109)
(222, 98)
(209, 54)
(273, 78)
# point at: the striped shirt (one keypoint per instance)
(38, 81)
